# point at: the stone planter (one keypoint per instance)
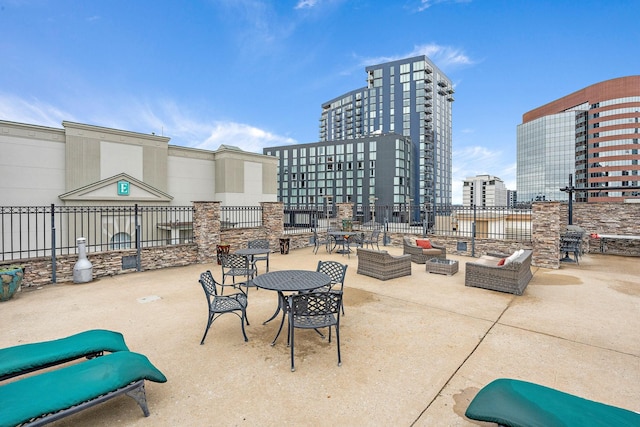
(10, 281)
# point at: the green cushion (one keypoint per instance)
(519, 403)
(28, 357)
(65, 387)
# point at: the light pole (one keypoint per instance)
(408, 201)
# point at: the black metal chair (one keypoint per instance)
(259, 244)
(312, 311)
(235, 265)
(337, 272)
(372, 239)
(221, 304)
(318, 241)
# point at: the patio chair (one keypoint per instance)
(235, 265)
(318, 241)
(221, 304)
(312, 311)
(336, 271)
(372, 239)
(259, 244)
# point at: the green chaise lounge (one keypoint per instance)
(46, 397)
(515, 403)
(25, 358)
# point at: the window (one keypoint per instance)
(121, 241)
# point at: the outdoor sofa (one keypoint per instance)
(421, 255)
(512, 276)
(382, 265)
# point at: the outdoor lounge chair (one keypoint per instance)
(382, 265)
(512, 277)
(517, 403)
(49, 396)
(25, 358)
(421, 255)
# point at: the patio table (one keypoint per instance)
(251, 252)
(289, 281)
(345, 243)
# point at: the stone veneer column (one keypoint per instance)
(345, 211)
(545, 234)
(206, 229)
(272, 221)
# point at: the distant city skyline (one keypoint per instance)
(254, 73)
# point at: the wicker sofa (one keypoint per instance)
(420, 255)
(512, 278)
(382, 265)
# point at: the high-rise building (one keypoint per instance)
(364, 171)
(591, 134)
(410, 97)
(484, 190)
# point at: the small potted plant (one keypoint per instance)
(10, 280)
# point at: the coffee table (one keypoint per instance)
(442, 266)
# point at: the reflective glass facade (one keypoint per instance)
(594, 134)
(546, 157)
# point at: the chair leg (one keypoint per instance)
(243, 318)
(291, 335)
(209, 322)
(338, 343)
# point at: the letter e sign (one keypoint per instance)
(123, 188)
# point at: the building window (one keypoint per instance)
(121, 241)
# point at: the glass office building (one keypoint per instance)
(592, 134)
(410, 97)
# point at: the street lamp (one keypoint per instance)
(408, 201)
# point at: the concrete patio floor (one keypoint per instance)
(415, 350)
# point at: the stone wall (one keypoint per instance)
(38, 270)
(549, 219)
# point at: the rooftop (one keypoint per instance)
(415, 350)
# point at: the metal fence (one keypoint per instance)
(502, 223)
(240, 217)
(44, 231)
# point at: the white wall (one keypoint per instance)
(32, 171)
(190, 180)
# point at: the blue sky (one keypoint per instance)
(253, 73)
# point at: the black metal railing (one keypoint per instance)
(35, 231)
(240, 217)
(495, 222)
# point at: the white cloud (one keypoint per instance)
(162, 118)
(444, 56)
(306, 4)
(246, 137)
(426, 4)
(16, 109)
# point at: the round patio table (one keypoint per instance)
(289, 281)
(345, 243)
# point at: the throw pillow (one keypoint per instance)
(501, 262)
(512, 257)
(424, 244)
